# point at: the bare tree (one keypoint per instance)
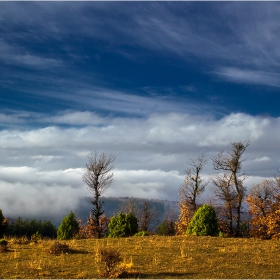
(148, 218)
(225, 192)
(146, 215)
(130, 205)
(98, 176)
(194, 184)
(231, 162)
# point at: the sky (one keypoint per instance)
(153, 83)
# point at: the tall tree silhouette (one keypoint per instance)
(231, 163)
(98, 176)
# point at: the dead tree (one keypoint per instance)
(225, 193)
(98, 176)
(148, 217)
(231, 163)
(194, 184)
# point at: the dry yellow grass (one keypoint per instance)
(149, 257)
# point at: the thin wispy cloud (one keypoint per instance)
(249, 76)
(75, 118)
(21, 57)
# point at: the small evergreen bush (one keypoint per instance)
(204, 222)
(141, 233)
(123, 225)
(68, 227)
(166, 228)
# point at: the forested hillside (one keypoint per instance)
(112, 205)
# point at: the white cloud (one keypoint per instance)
(75, 118)
(36, 201)
(151, 155)
(263, 159)
(142, 183)
(157, 129)
(10, 54)
(29, 192)
(8, 119)
(249, 76)
(32, 175)
(42, 158)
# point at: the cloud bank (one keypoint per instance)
(41, 169)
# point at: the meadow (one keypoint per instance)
(147, 257)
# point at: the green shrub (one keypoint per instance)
(166, 228)
(36, 237)
(123, 225)
(68, 227)
(204, 222)
(222, 234)
(141, 233)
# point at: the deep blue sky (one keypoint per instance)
(154, 83)
(222, 55)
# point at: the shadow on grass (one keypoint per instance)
(5, 249)
(58, 248)
(82, 252)
(70, 252)
(163, 275)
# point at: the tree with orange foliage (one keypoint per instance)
(189, 193)
(90, 230)
(264, 203)
(183, 221)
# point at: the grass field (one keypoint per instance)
(148, 257)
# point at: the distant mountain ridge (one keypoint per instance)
(112, 206)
